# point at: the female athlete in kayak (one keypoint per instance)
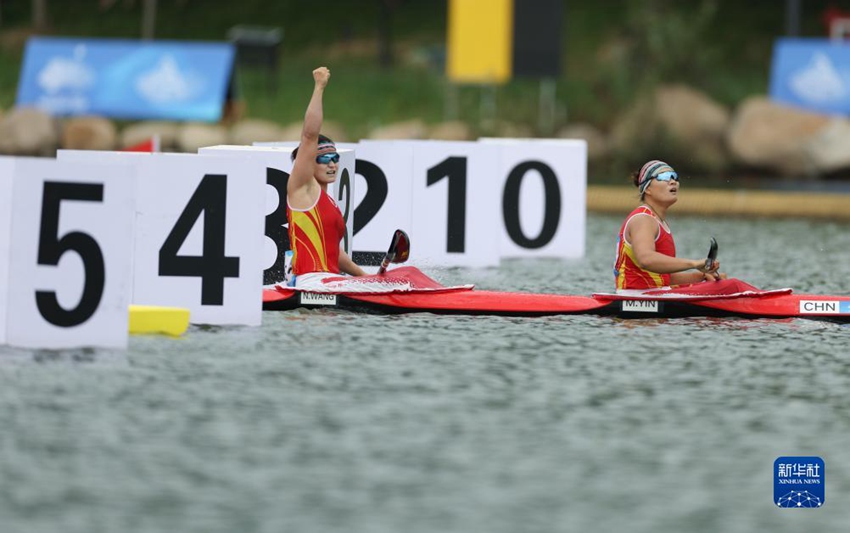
(646, 253)
(316, 224)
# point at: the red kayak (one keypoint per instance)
(406, 289)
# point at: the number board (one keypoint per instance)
(70, 269)
(199, 236)
(7, 170)
(455, 208)
(543, 188)
(343, 192)
(383, 197)
(199, 233)
(278, 165)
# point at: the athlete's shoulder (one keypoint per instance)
(641, 213)
(642, 210)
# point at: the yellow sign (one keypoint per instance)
(480, 41)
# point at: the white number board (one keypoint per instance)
(70, 269)
(199, 234)
(7, 170)
(277, 162)
(199, 237)
(455, 207)
(383, 197)
(543, 188)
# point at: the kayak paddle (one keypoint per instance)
(399, 251)
(712, 254)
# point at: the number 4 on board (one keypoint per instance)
(213, 266)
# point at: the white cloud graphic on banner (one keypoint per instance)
(166, 84)
(67, 73)
(819, 81)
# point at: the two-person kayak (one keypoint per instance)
(407, 289)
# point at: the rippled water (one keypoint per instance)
(323, 421)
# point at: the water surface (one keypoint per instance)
(324, 421)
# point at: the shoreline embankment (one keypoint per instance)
(832, 206)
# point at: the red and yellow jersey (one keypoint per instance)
(627, 274)
(314, 236)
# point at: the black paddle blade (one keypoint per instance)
(712, 254)
(398, 252)
(402, 246)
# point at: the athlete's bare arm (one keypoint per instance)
(302, 190)
(348, 266)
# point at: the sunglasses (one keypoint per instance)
(324, 159)
(667, 176)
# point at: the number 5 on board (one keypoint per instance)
(70, 254)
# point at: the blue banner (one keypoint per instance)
(811, 73)
(126, 79)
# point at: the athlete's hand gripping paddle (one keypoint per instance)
(399, 251)
(712, 255)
